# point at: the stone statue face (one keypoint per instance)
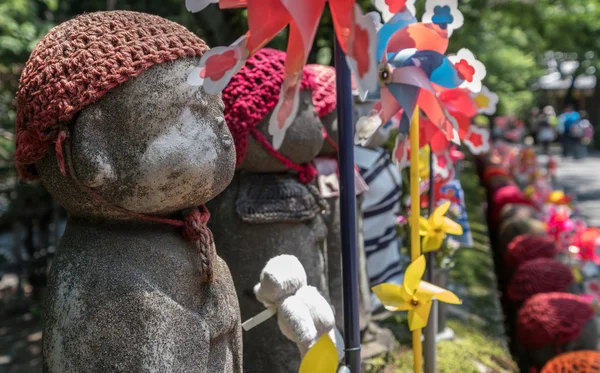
(154, 145)
(302, 142)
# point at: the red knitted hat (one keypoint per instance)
(526, 247)
(324, 97)
(574, 362)
(251, 95)
(492, 171)
(552, 319)
(504, 196)
(542, 275)
(78, 62)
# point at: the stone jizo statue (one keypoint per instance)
(271, 207)
(108, 123)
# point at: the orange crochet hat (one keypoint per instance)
(574, 362)
(78, 62)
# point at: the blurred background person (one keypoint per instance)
(546, 134)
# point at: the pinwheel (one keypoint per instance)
(411, 66)
(436, 227)
(356, 33)
(414, 295)
(322, 357)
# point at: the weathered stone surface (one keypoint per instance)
(125, 295)
(266, 211)
(247, 247)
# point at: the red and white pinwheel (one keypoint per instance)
(355, 31)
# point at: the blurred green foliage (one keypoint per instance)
(508, 36)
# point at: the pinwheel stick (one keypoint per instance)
(415, 213)
(432, 327)
(348, 210)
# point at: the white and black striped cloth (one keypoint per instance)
(380, 206)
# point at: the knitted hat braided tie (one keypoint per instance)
(194, 228)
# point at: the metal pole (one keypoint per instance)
(347, 210)
(431, 328)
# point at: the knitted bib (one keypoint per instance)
(78, 62)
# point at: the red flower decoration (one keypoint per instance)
(396, 6)
(476, 139)
(465, 71)
(218, 65)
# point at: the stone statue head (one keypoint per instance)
(249, 101)
(108, 122)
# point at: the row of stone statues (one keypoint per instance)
(143, 280)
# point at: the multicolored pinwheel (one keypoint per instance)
(414, 295)
(413, 72)
(355, 31)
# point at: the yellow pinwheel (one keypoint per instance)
(322, 357)
(413, 295)
(435, 228)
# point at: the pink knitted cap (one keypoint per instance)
(249, 98)
(552, 319)
(324, 96)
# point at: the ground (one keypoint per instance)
(480, 344)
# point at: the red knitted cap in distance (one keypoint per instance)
(542, 275)
(526, 247)
(78, 62)
(251, 95)
(552, 319)
(324, 96)
(504, 196)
